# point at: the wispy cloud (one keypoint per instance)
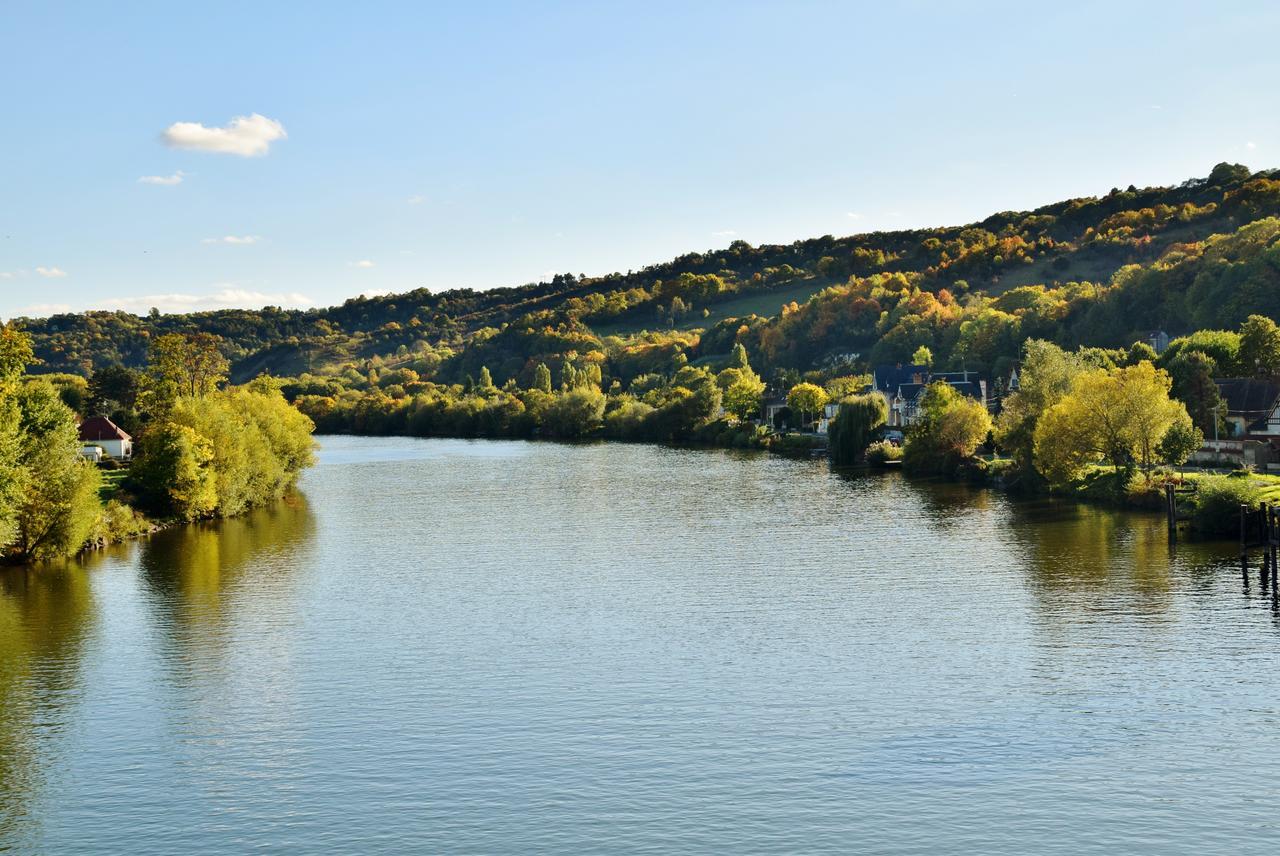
(1250, 145)
(724, 233)
(363, 263)
(416, 199)
(233, 239)
(375, 292)
(853, 215)
(51, 272)
(245, 136)
(165, 180)
(8, 274)
(228, 296)
(40, 310)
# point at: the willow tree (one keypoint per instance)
(856, 420)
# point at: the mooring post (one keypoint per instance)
(1244, 555)
(1265, 536)
(1271, 541)
(1171, 509)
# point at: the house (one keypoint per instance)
(829, 412)
(1158, 340)
(102, 432)
(1251, 406)
(903, 386)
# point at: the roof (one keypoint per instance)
(889, 377)
(910, 391)
(100, 428)
(1248, 397)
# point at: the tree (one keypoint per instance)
(1118, 416)
(1047, 374)
(742, 391)
(856, 420)
(59, 505)
(575, 413)
(922, 357)
(113, 388)
(806, 398)
(1260, 346)
(738, 358)
(948, 430)
(1192, 374)
(1179, 443)
(1140, 351)
(486, 380)
(180, 364)
(542, 378)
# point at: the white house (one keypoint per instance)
(102, 432)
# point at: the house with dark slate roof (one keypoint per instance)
(1252, 405)
(904, 386)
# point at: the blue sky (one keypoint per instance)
(478, 145)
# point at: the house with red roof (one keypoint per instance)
(101, 432)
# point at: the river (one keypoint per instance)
(506, 647)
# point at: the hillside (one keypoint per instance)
(1093, 270)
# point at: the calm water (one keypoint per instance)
(482, 647)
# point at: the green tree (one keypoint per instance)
(1192, 374)
(1118, 416)
(1260, 346)
(59, 506)
(1179, 443)
(856, 421)
(574, 414)
(806, 399)
(486, 380)
(180, 364)
(948, 430)
(738, 358)
(1046, 377)
(922, 357)
(542, 378)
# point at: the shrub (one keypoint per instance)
(1218, 501)
(880, 454)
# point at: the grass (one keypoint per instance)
(111, 482)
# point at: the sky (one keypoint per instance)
(197, 156)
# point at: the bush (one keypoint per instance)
(1218, 501)
(882, 453)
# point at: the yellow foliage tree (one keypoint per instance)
(1118, 416)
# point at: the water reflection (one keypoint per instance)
(202, 578)
(46, 615)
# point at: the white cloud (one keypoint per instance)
(1251, 145)
(246, 136)
(416, 199)
(8, 274)
(166, 180)
(40, 310)
(233, 239)
(853, 215)
(51, 272)
(724, 233)
(375, 292)
(226, 297)
(363, 263)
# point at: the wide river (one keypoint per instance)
(502, 647)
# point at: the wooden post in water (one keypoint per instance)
(1171, 508)
(1244, 555)
(1272, 537)
(1266, 536)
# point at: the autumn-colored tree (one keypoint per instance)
(806, 399)
(1117, 416)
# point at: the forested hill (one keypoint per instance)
(1094, 270)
